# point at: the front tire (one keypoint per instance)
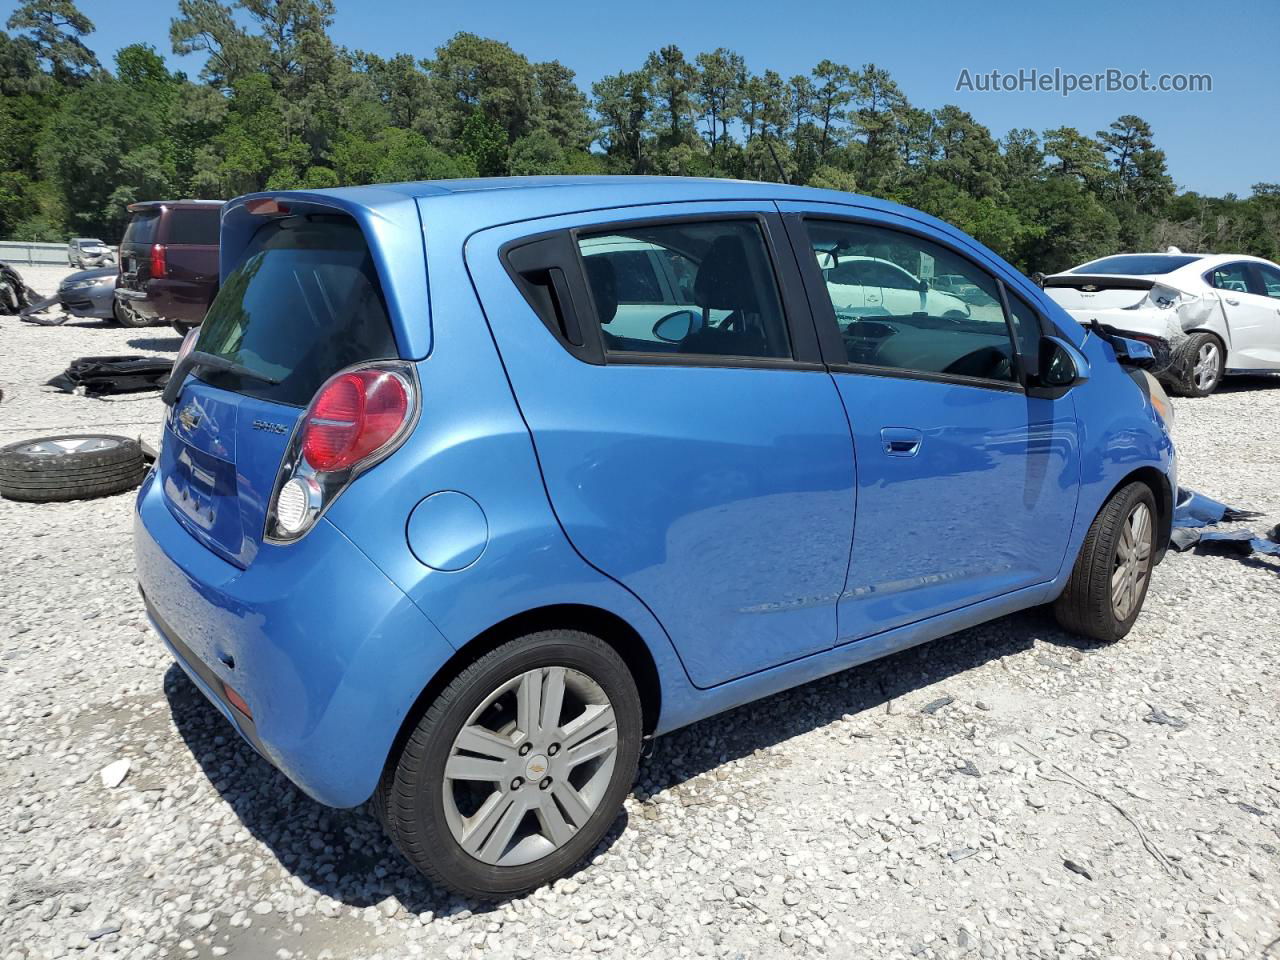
(126, 317)
(1109, 581)
(518, 768)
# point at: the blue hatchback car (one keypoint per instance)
(468, 488)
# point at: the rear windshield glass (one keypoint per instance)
(1138, 264)
(142, 228)
(194, 226)
(303, 304)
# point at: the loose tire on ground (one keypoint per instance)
(70, 467)
(416, 800)
(1198, 366)
(1088, 606)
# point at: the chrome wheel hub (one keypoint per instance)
(530, 766)
(1132, 562)
(69, 445)
(1206, 369)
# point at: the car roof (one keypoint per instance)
(1203, 263)
(528, 198)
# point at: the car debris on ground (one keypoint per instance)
(102, 376)
(14, 292)
(1194, 512)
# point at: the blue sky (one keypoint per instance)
(1217, 142)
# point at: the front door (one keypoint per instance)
(1252, 308)
(966, 485)
(693, 446)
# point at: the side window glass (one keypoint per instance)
(910, 304)
(1231, 276)
(716, 296)
(1270, 280)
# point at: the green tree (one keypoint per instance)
(56, 29)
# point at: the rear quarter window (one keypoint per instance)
(196, 227)
(303, 303)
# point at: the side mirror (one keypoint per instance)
(827, 260)
(1038, 279)
(924, 286)
(1061, 367)
(675, 327)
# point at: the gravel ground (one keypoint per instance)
(1005, 792)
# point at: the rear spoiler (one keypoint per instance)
(1140, 350)
(1091, 283)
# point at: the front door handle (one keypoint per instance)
(1234, 303)
(901, 441)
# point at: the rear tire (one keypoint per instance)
(481, 759)
(1198, 367)
(126, 317)
(69, 467)
(1109, 581)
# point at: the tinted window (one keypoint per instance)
(142, 228)
(304, 303)
(1138, 264)
(913, 325)
(1270, 280)
(717, 295)
(193, 226)
(1231, 276)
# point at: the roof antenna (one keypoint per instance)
(1172, 250)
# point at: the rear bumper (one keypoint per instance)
(329, 655)
(182, 300)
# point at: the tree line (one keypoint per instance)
(278, 104)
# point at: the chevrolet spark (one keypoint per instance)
(469, 488)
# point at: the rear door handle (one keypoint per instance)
(901, 441)
(1234, 303)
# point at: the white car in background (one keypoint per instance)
(1218, 313)
(872, 287)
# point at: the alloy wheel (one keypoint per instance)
(530, 766)
(1132, 562)
(1206, 369)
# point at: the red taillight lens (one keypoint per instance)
(157, 260)
(352, 416)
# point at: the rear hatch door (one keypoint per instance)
(135, 248)
(303, 303)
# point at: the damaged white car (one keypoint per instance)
(1206, 315)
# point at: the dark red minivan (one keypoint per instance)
(169, 262)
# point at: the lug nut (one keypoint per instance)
(546, 782)
(525, 748)
(517, 783)
(553, 750)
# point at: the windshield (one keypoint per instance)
(1138, 264)
(304, 303)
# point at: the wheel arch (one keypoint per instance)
(606, 625)
(1159, 485)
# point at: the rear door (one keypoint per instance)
(967, 486)
(705, 462)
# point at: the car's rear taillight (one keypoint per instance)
(158, 266)
(352, 416)
(357, 419)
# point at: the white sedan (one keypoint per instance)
(1219, 313)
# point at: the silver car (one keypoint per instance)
(84, 252)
